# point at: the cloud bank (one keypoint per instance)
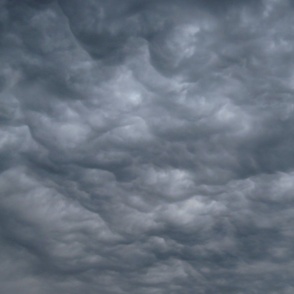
(146, 146)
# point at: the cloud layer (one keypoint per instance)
(146, 146)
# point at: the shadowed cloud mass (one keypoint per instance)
(146, 146)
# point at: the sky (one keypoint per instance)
(146, 146)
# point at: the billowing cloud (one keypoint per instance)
(146, 146)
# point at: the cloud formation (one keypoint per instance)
(146, 146)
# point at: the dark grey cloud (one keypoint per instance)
(146, 146)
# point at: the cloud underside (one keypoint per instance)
(146, 147)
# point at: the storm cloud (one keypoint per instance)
(146, 146)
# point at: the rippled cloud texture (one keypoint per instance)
(146, 146)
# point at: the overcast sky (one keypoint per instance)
(146, 146)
